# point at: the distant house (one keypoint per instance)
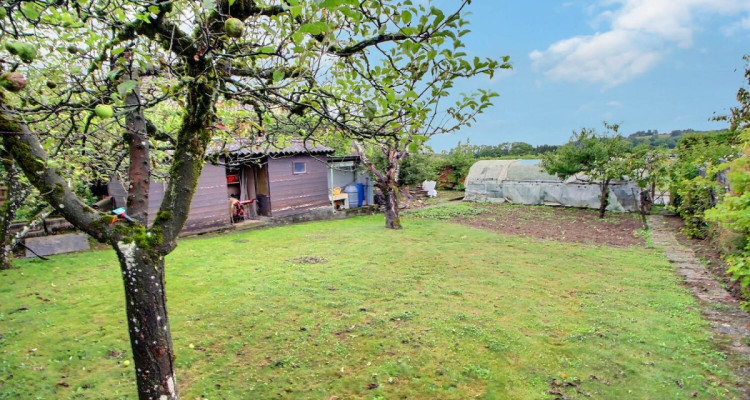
(281, 182)
(522, 182)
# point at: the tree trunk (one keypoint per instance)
(139, 169)
(647, 201)
(604, 198)
(392, 219)
(653, 191)
(143, 270)
(148, 325)
(387, 182)
(16, 193)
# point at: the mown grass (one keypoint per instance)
(435, 311)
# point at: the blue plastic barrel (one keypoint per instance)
(361, 192)
(353, 192)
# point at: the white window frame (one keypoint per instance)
(294, 169)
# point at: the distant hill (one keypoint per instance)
(656, 139)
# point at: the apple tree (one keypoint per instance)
(82, 80)
(602, 157)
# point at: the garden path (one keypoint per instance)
(731, 325)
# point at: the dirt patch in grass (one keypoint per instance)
(558, 223)
(309, 260)
(709, 253)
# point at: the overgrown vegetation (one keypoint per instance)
(447, 211)
(733, 212)
(709, 185)
(442, 312)
(693, 178)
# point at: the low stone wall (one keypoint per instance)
(318, 214)
(322, 214)
(56, 244)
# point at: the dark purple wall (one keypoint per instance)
(296, 193)
(210, 206)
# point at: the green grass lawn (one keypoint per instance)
(435, 311)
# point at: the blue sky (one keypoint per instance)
(646, 64)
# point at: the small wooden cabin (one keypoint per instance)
(282, 182)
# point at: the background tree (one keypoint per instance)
(396, 110)
(601, 157)
(649, 168)
(16, 190)
(419, 167)
(410, 137)
(82, 80)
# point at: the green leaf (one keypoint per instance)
(315, 28)
(278, 75)
(406, 16)
(331, 4)
(439, 16)
(30, 10)
(370, 109)
(126, 87)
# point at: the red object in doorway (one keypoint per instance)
(238, 213)
(233, 178)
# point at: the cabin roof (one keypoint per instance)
(253, 148)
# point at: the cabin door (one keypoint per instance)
(248, 189)
(262, 190)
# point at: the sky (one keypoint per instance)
(645, 64)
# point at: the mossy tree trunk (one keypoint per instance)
(16, 192)
(392, 196)
(139, 168)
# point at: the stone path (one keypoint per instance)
(730, 324)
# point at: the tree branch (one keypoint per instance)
(26, 149)
(357, 47)
(188, 161)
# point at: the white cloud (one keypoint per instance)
(737, 27)
(639, 34)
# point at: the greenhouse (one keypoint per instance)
(525, 182)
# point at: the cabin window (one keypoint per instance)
(299, 168)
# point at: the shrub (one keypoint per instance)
(734, 213)
(419, 167)
(454, 166)
(694, 188)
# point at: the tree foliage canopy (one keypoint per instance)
(600, 156)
